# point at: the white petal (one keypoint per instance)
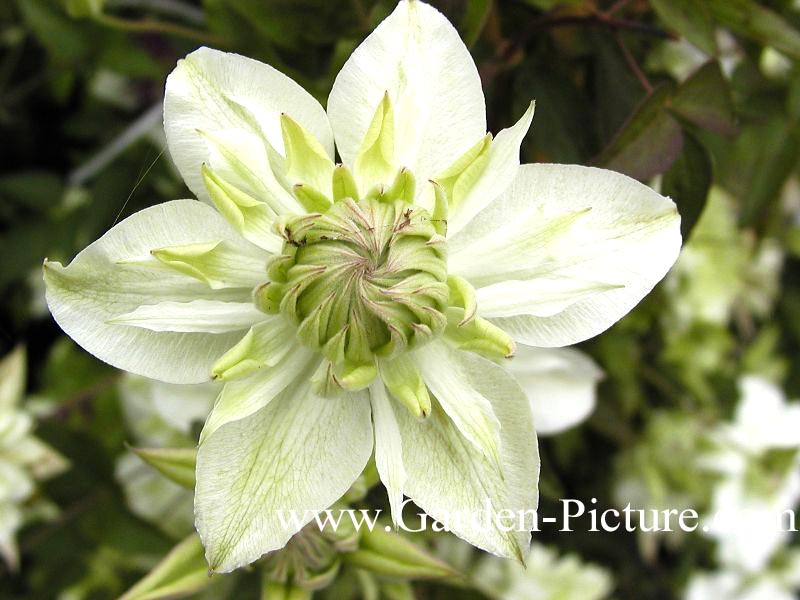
(159, 413)
(498, 174)
(560, 384)
(299, 453)
(240, 399)
(102, 283)
(540, 297)
(388, 448)
(417, 57)
(570, 222)
(211, 91)
(203, 316)
(471, 412)
(448, 476)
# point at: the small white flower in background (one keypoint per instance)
(651, 475)
(758, 461)
(24, 459)
(780, 582)
(360, 307)
(160, 414)
(720, 268)
(547, 576)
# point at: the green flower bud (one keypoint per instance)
(312, 557)
(365, 279)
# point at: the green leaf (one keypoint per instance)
(37, 190)
(705, 100)
(65, 40)
(181, 572)
(761, 24)
(177, 464)
(690, 18)
(773, 162)
(687, 182)
(474, 19)
(83, 8)
(649, 142)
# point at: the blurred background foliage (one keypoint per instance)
(700, 98)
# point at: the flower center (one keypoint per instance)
(367, 278)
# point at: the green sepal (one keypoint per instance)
(217, 264)
(355, 376)
(477, 335)
(311, 199)
(391, 555)
(271, 590)
(403, 188)
(462, 295)
(272, 193)
(375, 160)
(307, 161)
(460, 176)
(324, 382)
(237, 362)
(397, 590)
(264, 345)
(252, 218)
(182, 572)
(343, 184)
(405, 384)
(177, 464)
(267, 298)
(440, 209)
(190, 259)
(312, 329)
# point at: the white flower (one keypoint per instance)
(360, 307)
(24, 459)
(547, 576)
(759, 461)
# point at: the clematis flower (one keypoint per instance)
(360, 307)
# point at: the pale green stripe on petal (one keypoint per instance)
(501, 165)
(300, 452)
(251, 217)
(416, 58)
(219, 264)
(388, 448)
(470, 411)
(243, 397)
(448, 476)
(241, 158)
(540, 297)
(211, 91)
(101, 283)
(264, 345)
(307, 162)
(565, 222)
(195, 316)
